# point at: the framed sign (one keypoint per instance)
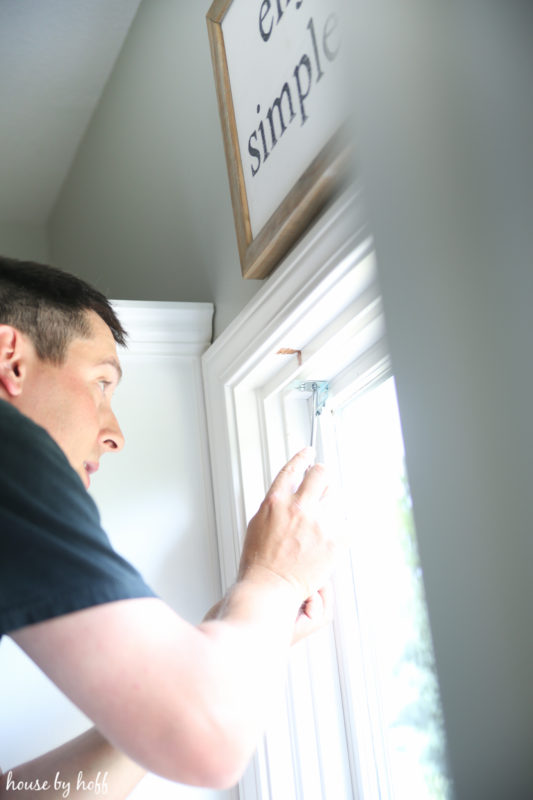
(281, 94)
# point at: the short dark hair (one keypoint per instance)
(50, 306)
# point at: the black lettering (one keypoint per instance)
(304, 61)
(254, 152)
(277, 104)
(330, 27)
(263, 138)
(281, 10)
(263, 13)
(311, 27)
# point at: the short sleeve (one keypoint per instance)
(55, 558)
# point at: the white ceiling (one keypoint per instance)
(55, 59)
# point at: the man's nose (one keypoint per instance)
(111, 436)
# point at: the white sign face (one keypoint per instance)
(285, 69)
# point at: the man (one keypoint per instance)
(188, 703)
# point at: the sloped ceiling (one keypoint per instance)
(55, 59)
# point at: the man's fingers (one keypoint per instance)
(290, 476)
(313, 488)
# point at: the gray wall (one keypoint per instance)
(445, 127)
(145, 212)
(23, 240)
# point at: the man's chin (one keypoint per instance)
(85, 477)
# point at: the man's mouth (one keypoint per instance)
(90, 467)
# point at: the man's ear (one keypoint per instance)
(13, 355)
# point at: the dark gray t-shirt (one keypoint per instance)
(55, 557)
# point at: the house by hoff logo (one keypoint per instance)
(97, 784)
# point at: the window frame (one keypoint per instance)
(323, 306)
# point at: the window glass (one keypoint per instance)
(387, 624)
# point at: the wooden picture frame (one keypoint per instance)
(262, 248)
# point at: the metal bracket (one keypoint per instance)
(319, 390)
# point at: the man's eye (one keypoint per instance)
(103, 385)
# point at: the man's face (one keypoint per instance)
(73, 401)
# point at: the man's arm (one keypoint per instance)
(68, 770)
(190, 703)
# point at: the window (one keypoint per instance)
(382, 618)
(361, 715)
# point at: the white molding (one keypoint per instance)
(176, 330)
(327, 274)
(295, 293)
(166, 328)
(291, 291)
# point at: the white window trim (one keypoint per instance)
(325, 290)
(287, 312)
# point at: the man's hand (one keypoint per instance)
(285, 540)
(315, 613)
(286, 543)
